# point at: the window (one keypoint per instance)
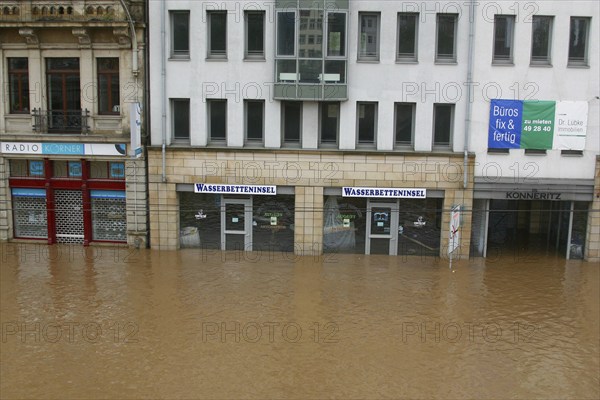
(541, 39)
(330, 122)
(404, 117)
(181, 118)
(18, 83)
(255, 117)
(407, 36)
(108, 86)
(67, 169)
(443, 121)
(578, 39)
(291, 121)
(445, 51)
(368, 40)
(255, 34)
(336, 34)
(367, 123)
(286, 33)
(504, 29)
(27, 168)
(217, 120)
(180, 34)
(64, 96)
(217, 34)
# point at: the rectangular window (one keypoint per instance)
(108, 86)
(445, 50)
(180, 34)
(217, 34)
(255, 117)
(217, 120)
(286, 33)
(404, 123)
(504, 30)
(541, 40)
(366, 122)
(18, 83)
(27, 168)
(336, 34)
(255, 34)
(181, 118)
(578, 41)
(368, 40)
(330, 123)
(291, 121)
(443, 121)
(64, 96)
(408, 28)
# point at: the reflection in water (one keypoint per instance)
(118, 323)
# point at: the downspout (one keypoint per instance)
(163, 72)
(469, 92)
(134, 44)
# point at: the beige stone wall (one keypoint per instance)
(5, 202)
(309, 172)
(592, 247)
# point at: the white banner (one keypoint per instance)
(265, 190)
(571, 122)
(64, 149)
(135, 124)
(389, 193)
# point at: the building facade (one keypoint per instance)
(374, 127)
(73, 74)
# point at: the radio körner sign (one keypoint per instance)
(388, 193)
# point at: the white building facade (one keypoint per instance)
(348, 126)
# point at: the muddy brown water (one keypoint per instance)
(119, 323)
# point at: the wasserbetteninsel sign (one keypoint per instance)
(389, 193)
(235, 189)
(537, 125)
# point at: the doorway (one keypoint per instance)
(236, 224)
(382, 228)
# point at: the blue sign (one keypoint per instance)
(29, 192)
(107, 194)
(117, 170)
(63, 148)
(75, 169)
(36, 168)
(505, 124)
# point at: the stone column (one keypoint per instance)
(5, 202)
(308, 235)
(592, 244)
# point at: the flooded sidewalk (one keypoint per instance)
(103, 322)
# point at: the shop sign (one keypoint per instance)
(533, 195)
(267, 190)
(64, 149)
(389, 193)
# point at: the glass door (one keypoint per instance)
(382, 228)
(236, 224)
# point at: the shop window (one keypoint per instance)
(29, 213)
(200, 220)
(408, 27)
(273, 223)
(446, 38)
(255, 34)
(217, 34)
(578, 41)
(443, 121)
(579, 230)
(180, 34)
(109, 215)
(368, 40)
(98, 170)
(366, 123)
(291, 121)
(344, 225)
(18, 84)
(541, 40)
(108, 86)
(404, 123)
(27, 168)
(66, 169)
(504, 29)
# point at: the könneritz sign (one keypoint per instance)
(235, 189)
(390, 193)
(533, 195)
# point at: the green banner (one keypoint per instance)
(538, 125)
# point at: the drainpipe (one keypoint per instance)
(134, 43)
(469, 91)
(163, 72)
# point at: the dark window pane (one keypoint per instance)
(503, 37)
(108, 86)
(18, 83)
(64, 92)
(254, 120)
(578, 40)
(443, 124)
(368, 45)
(407, 35)
(181, 119)
(366, 122)
(540, 40)
(311, 30)
(181, 32)
(336, 34)
(330, 113)
(335, 71)
(404, 123)
(218, 33)
(445, 36)
(217, 119)
(292, 115)
(255, 33)
(286, 30)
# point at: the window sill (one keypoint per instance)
(407, 61)
(19, 115)
(541, 64)
(217, 59)
(531, 152)
(180, 58)
(496, 63)
(498, 151)
(571, 153)
(366, 146)
(255, 59)
(582, 66)
(444, 62)
(368, 60)
(404, 147)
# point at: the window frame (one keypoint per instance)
(329, 144)
(284, 141)
(109, 74)
(454, 58)
(444, 146)
(510, 26)
(296, 30)
(376, 57)
(576, 62)
(179, 54)
(398, 144)
(548, 59)
(254, 56)
(415, 57)
(375, 124)
(209, 111)
(248, 141)
(210, 52)
(174, 136)
(22, 77)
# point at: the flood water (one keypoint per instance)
(119, 323)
